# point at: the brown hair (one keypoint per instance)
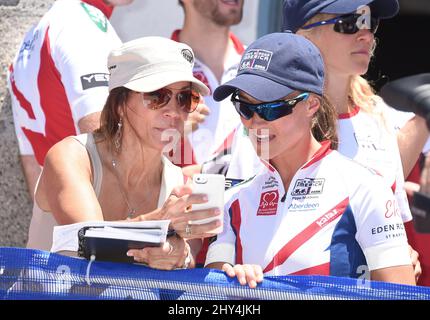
(324, 123)
(110, 115)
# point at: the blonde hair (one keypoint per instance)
(360, 92)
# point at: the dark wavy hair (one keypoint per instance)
(110, 115)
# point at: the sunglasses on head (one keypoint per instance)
(187, 99)
(347, 24)
(268, 111)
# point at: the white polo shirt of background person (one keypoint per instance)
(60, 75)
(335, 218)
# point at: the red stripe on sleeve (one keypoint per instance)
(53, 101)
(235, 222)
(23, 102)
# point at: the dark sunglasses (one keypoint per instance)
(346, 24)
(268, 111)
(187, 99)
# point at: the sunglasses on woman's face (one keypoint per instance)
(347, 24)
(268, 111)
(187, 99)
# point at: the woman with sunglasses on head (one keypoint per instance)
(119, 171)
(309, 210)
(343, 31)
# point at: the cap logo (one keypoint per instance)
(188, 55)
(256, 59)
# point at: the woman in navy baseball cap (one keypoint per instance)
(308, 210)
(344, 31)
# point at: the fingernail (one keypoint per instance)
(205, 198)
(217, 211)
(129, 254)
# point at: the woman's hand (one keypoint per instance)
(198, 116)
(250, 274)
(173, 254)
(415, 263)
(177, 210)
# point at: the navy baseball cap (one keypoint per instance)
(276, 65)
(297, 12)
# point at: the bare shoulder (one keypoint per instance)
(67, 152)
(66, 163)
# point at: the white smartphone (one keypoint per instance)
(213, 186)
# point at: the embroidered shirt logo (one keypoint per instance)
(268, 203)
(308, 186)
(96, 16)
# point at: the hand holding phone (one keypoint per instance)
(213, 186)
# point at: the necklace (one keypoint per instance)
(131, 211)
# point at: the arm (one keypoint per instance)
(425, 177)
(411, 139)
(398, 274)
(65, 187)
(381, 233)
(175, 253)
(176, 209)
(31, 172)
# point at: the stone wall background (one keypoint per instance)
(16, 17)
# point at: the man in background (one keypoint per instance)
(206, 30)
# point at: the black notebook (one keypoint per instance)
(108, 240)
(112, 243)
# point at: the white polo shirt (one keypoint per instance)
(60, 75)
(215, 134)
(335, 218)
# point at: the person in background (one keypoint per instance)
(58, 79)
(206, 29)
(309, 210)
(344, 33)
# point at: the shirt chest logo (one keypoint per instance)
(308, 186)
(268, 203)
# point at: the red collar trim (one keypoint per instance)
(268, 165)
(321, 153)
(175, 35)
(240, 49)
(238, 46)
(348, 115)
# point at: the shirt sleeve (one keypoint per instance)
(80, 54)
(380, 230)
(223, 248)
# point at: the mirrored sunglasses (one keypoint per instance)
(268, 111)
(187, 99)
